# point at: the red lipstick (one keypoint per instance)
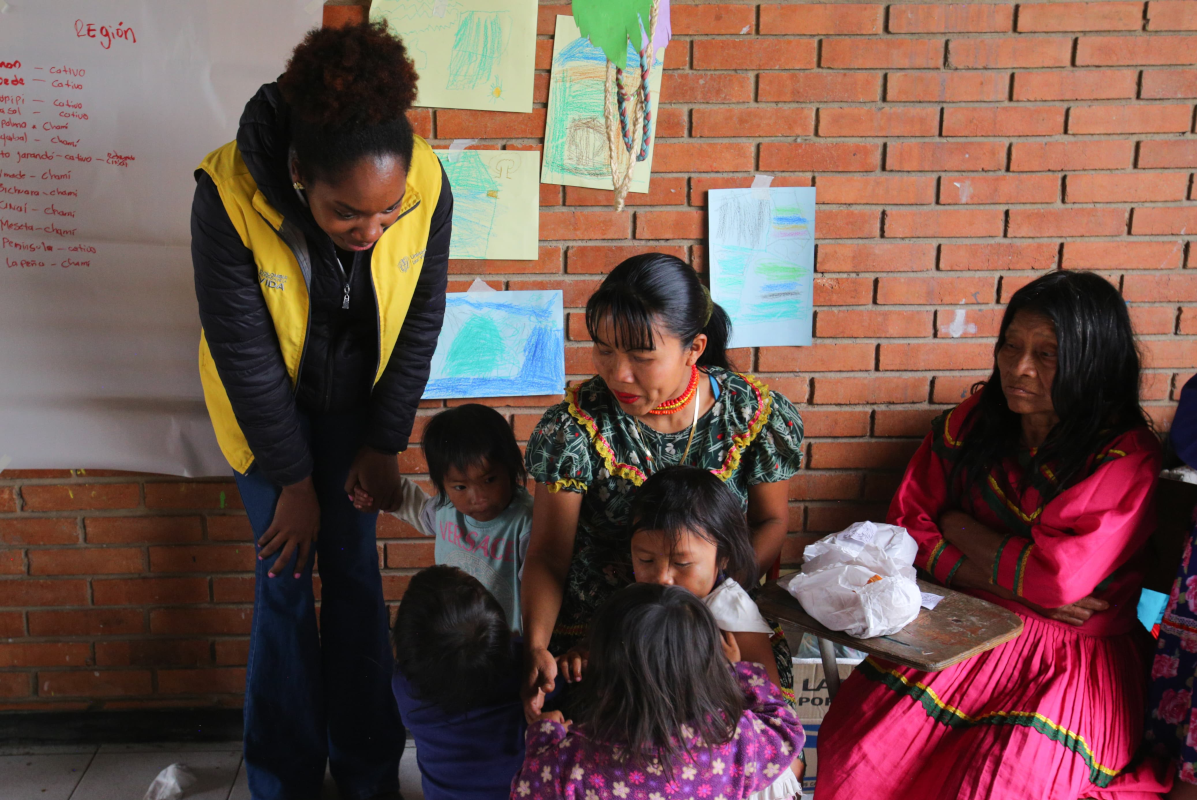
(625, 398)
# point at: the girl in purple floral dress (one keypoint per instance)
(1172, 706)
(663, 714)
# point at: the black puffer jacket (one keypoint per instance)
(341, 353)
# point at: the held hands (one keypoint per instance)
(294, 527)
(572, 663)
(541, 677)
(373, 481)
(1077, 613)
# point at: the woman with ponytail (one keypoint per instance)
(664, 395)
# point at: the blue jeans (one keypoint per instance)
(321, 693)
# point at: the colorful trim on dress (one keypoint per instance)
(936, 552)
(566, 483)
(947, 581)
(997, 558)
(1099, 774)
(1020, 569)
(741, 442)
(626, 471)
(947, 431)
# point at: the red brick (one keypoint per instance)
(904, 421)
(1096, 84)
(540, 87)
(584, 224)
(201, 621)
(12, 624)
(1164, 221)
(943, 223)
(869, 390)
(845, 223)
(1171, 15)
(340, 16)
(80, 496)
(205, 558)
(38, 530)
(1188, 321)
(544, 55)
(874, 454)
(967, 323)
(670, 224)
(1010, 51)
(796, 390)
(192, 495)
(1100, 51)
(819, 87)
(820, 157)
(706, 87)
(882, 53)
(39, 474)
(951, 87)
(808, 485)
(1157, 153)
(1071, 155)
(97, 683)
(1067, 222)
(661, 192)
(1011, 284)
(224, 680)
(1123, 255)
(410, 555)
(771, 53)
(843, 291)
(687, 157)
(1168, 84)
(876, 190)
(45, 654)
(826, 423)
(87, 622)
(710, 19)
(881, 486)
(823, 519)
(1034, 17)
(8, 501)
(898, 121)
(22, 593)
(233, 590)
(604, 258)
(671, 123)
(954, 388)
(153, 653)
(548, 256)
(753, 121)
(86, 561)
(230, 529)
(699, 185)
(12, 562)
(938, 156)
(14, 684)
(132, 530)
(998, 256)
(819, 357)
(421, 121)
(1169, 353)
(232, 652)
(1138, 187)
(935, 356)
(1139, 288)
(896, 257)
(999, 189)
(1148, 320)
(822, 18)
(878, 323)
(1003, 121)
(150, 591)
(1131, 119)
(935, 291)
(951, 18)
(454, 123)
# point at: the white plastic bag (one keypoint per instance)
(171, 783)
(860, 580)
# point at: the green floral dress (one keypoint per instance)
(588, 444)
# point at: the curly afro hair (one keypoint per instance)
(349, 90)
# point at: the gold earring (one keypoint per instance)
(298, 186)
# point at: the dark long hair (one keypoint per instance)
(656, 664)
(452, 640)
(1095, 392)
(467, 436)
(658, 289)
(682, 499)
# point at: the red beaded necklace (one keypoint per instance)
(678, 403)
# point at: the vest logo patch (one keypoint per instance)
(414, 260)
(272, 280)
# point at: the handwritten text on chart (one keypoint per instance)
(104, 34)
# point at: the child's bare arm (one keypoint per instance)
(756, 648)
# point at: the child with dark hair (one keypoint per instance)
(481, 515)
(662, 713)
(457, 683)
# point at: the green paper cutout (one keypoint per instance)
(609, 24)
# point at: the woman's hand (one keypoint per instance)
(573, 662)
(542, 676)
(374, 477)
(1077, 613)
(730, 648)
(294, 527)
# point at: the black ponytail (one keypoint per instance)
(655, 288)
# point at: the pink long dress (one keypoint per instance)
(1056, 713)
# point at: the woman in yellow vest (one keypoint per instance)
(320, 240)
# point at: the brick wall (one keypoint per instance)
(959, 151)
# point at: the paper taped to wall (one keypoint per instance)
(496, 203)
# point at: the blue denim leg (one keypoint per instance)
(315, 695)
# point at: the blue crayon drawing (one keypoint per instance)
(499, 344)
(762, 263)
(475, 200)
(480, 43)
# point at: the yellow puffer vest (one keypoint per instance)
(284, 273)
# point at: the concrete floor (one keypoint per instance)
(125, 771)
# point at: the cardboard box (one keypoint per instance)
(810, 691)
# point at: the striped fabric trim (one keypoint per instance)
(1020, 571)
(936, 552)
(947, 581)
(1099, 774)
(1176, 625)
(997, 558)
(566, 483)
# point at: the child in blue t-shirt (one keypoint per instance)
(481, 515)
(457, 683)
